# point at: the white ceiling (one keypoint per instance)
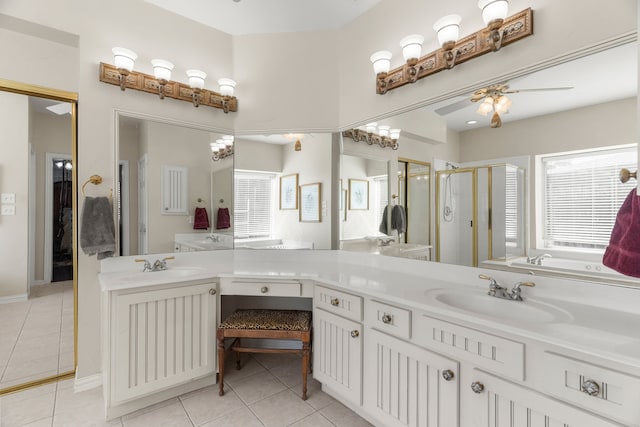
(240, 17)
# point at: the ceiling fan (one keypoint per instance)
(493, 99)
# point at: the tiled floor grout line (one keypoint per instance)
(24, 321)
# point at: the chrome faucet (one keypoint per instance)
(213, 238)
(158, 265)
(498, 291)
(537, 260)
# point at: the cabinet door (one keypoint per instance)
(501, 403)
(337, 354)
(161, 338)
(405, 386)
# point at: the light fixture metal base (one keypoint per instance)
(176, 90)
(371, 138)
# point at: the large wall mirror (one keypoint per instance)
(39, 260)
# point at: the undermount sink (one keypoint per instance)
(478, 302)
(170, 273)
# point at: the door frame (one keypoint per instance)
(123, 199)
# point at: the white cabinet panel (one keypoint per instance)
(504, 404)
(405, 386)
(160, 339)
(337, 354)
(388, 318)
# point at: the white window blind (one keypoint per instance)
(253, 204)
(582, 196)
(380, 196)
(511, 206)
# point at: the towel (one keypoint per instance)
(224, 220)
(200, 219)
(623, 252)
(97, 229)
(398, 220)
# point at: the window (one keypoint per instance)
(253, 204)
(581, 196)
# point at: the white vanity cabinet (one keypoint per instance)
(337, 342)
(158, 338)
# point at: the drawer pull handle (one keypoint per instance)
(355, 333)
(590, 387)
(212, 291)
(387, 318)
(335, 302)
(477, 387)
(264, 289)
(448, 375)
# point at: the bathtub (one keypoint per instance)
(590, 269)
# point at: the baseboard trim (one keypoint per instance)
(13, 298)
(87, 383)
(40, 282)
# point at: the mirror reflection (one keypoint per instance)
(174, 197)
(37, 287)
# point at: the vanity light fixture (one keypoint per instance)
(500, 31)
(196, 81)
(123, 75)
(124, 60)
(221, 148)
(382, 136)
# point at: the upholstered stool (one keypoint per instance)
(266, 324)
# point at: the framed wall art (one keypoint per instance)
(358, 195)
(310, 201)
(289, 192)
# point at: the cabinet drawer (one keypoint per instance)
(500, 355)
(342, 303)
(387, 318)
(263, 287)
(613, 393)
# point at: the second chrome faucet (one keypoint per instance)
(498, 291)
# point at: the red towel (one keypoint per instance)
(224, 221)
(623, 252)
(200, 219)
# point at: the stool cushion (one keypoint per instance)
(284, 320)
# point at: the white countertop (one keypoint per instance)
(601, 320)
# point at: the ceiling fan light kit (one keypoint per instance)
(500, 31)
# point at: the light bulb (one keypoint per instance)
(381, 61)
(412, 46)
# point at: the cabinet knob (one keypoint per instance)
(590, 387)
(212, 291)
(477, 387)
(335, 302)
(387, 318)
(448, 375)
(355, 333)
(264, 289)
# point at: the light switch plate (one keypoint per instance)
(8, 198)
(8, 210)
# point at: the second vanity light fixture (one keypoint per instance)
(221, 148)
(122, 74)
(500, 30)
(382, 136)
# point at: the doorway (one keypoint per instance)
(61, 218)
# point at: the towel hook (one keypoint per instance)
(94, 179)
(625, 175)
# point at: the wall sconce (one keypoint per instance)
(196, 81)
(500, 31)
(221, 148)
(124, 60)
(162, 70)
(385, 136)
(123, 75)
(297, 137)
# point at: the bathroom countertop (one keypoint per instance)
(598, 319)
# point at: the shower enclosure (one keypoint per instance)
(480, 214)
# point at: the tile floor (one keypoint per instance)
(36, 338)
(265, 392)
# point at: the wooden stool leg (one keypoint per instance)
(305, 368)
(238, 356)
(220, 336)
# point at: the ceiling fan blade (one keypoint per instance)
(541, 89)
(448, 109)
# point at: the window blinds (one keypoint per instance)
(253, 204)
(582, 196)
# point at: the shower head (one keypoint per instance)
(451, 166)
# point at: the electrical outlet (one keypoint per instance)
(8, 210)
(9, 198)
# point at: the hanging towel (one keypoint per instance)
(224, 220)
(398, 220)
(623, 252)
(97, 230)
(200, 219)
